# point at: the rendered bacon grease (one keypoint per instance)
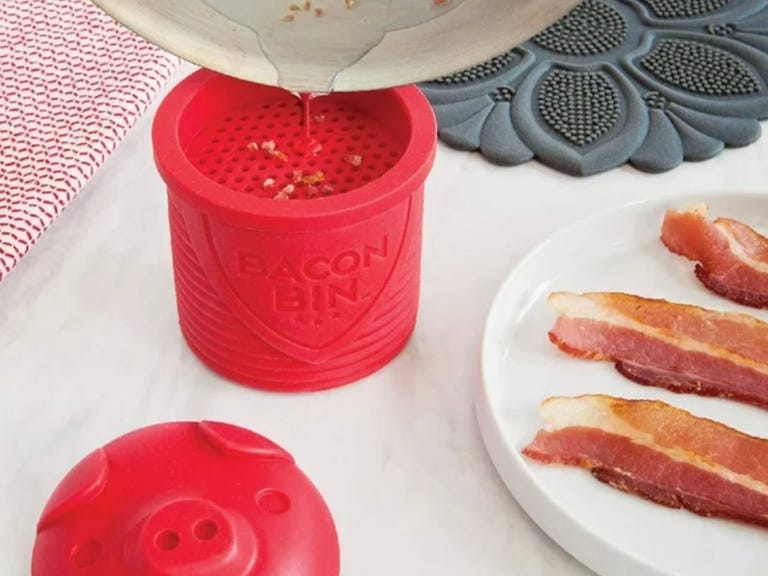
(732, 257)
(682, 348)
(661, 453)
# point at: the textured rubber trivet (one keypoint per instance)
(72, 83)
(650, 82)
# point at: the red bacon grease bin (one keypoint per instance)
(193, 499)
(296, 264)
(658, 452)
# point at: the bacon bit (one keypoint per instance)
(268, 183)
(307, 6)
(288, 18)
(319, 118)
(351, 3)
(315, 178)
(441, 2)
(285, 193)
(327, 190)
(252, 147)
(271, 151)
(353, 160)
(319, 12)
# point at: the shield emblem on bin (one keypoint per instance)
(306, 294)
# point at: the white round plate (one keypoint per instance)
(612, 533)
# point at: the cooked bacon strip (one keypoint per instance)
(660, 453)
(674, 346)
(732, 257)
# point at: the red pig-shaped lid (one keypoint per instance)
(186, 499)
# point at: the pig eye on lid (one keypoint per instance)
(273, 501)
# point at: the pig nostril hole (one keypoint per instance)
(206, 530)
(87, 553)
(273, 502)
(167, 540)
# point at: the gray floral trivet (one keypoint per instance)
(651, 82)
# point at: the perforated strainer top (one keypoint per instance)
(257, 150)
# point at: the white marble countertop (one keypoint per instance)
(90, 349)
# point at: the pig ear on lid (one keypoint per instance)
(239, 441)
(84, 483)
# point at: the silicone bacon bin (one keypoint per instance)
(307, 293)
(190, 499)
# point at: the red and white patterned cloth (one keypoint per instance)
(72, 83)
